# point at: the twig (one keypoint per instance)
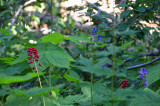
(141, 65)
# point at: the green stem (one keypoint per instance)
(65, 89)
(91, 89)
(39, 82)
(50, 81)
(45, 79)
(113, 59)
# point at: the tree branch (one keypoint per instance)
(142, 65)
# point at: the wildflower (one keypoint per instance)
(124, 83)
(103, 66)
(99, 38)
(94, 31)
(145, 83)
(143, 72)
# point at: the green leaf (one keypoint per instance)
(69, 78)
(86, 90)
(126, 45)
(153, 74)
(52, 54)
(103, 53)
(15, 69)
(53, 38)
(21, 57)
(127, 32)
(33, 91)
(69, 100)
(148, 99)
(30, 101)
(96, 69)
(125, 14)
(78, 39)
(141, 9)
(5, 79)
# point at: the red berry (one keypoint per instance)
(29, 58)
(33, 48)
(40, 83)
(37, 55)
(36, 59)
(31, 68)
(40, 64)
(31, 61)
(37, 71)
(35, 52)
(28, 50)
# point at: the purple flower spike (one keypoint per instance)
(145, 83)
(99, 38)
(143, 72)
(103, 66)
(94, 31)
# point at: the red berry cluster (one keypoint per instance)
(33, 56)
(123, 83)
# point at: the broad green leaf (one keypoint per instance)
(3, 92)
(21, 57)
(52, 54)
(53, 38)
(110, 49)
(5, 79)
(15, 69)
(125, 14)
(86, 89)
(96, 68)
(30, 101)
(126, 45)
(69, 100)
(69, 78)
(153, 74)
(78, 39)
(148, 99)
(33, 91)
(7, 60)
(127, 32)
(141, 9)
(103, 53)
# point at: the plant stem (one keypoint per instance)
(51, 16)
(114, 55)
(91, 89)
(50, 81)
(39, 82)
(65, 88)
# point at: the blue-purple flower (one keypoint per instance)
(94, 31)
(143, 72)
(103, 66)
(99, 38)
(145, 83)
